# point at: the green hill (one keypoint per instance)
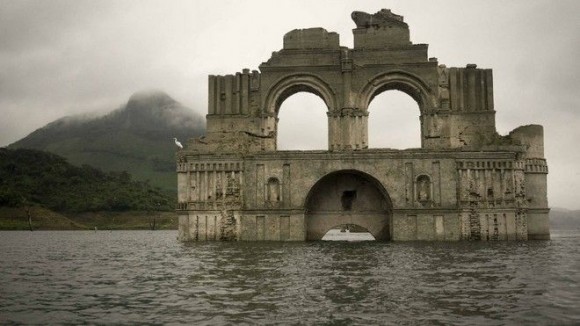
(137, 138)
(16, 218)
(41, 179)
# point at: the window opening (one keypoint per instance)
(347, 199)
(302, 123)
(393, 121)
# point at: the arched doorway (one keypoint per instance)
(302, 123)
(348, 197)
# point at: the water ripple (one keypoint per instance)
(129, 277)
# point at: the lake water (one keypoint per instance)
(147, 277)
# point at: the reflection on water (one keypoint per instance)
(141, 277)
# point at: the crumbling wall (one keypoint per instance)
(379, 30)
(311, 38)
(465, 182)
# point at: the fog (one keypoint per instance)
(60, 58)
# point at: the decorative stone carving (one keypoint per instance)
(443, 86)
(423, 188)
(273, 190)
(232, 187)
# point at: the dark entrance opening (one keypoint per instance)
(348, 198)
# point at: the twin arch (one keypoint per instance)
(292, 84)
(406, 82)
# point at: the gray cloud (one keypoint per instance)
(63, 57)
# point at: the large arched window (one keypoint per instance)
(394, 121)
(302, 123)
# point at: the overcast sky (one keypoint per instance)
(61, 58)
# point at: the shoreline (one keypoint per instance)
(16, 219)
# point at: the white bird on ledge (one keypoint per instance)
(177, 143)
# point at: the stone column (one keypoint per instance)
(334, 131)
(348, 129)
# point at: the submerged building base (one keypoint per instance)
(396, 195)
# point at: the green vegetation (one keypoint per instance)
(36, 178)
(145, 220)
(137, 137)
(16, 218)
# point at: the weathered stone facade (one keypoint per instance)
(465, 182)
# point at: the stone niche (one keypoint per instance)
(466, 182)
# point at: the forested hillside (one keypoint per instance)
(36, 178)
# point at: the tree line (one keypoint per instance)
(32, 177)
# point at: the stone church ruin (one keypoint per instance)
(466, 182)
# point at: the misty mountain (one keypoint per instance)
(564, 219)
(137, 138)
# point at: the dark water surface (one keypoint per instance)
(144, 277)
